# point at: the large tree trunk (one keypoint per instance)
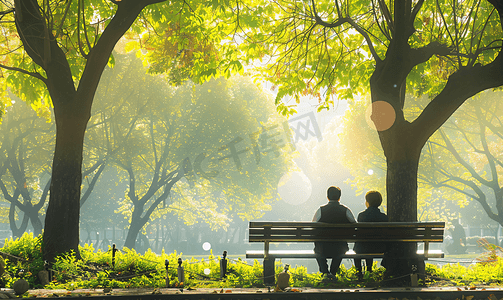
(401, 188)
(402, 150)
(62, 218)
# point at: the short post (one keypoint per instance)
(114, 249)
(413, 276)
(181, 275)
(223, 265)
(166, 263)
(47, 268)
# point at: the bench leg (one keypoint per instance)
(269, 271)
(421, 270)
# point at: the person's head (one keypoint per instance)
(334, 193)
(373, 198)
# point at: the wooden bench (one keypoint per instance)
(294, 232)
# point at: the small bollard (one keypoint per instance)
(114, 249)
(223, 265)
(166, 262)
(181, 275)
(413, 276)
(47, 268)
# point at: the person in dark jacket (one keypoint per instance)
(459, 239)
(373, 200)
(332, 212)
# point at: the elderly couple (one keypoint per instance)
(335, 212)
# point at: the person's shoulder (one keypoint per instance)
(343, 205)
(384, 216)
(363, 212)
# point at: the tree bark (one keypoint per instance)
(62, 219)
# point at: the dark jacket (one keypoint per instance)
(333, 212)
(371, 214)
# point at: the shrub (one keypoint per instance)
(24, 260)
(95, 270)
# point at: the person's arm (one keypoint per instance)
(317, 215)
(350, 216)
(360, 217)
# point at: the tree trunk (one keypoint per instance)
(62, 219)
(134, 228)
(35, 221)
(401, 187)
(402, 150)
(17, 232)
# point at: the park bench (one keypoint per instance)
(295, 232)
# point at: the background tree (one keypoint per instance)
(159, 134)
(473, 139)
(26, 149)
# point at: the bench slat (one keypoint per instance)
(345, 234)
(311, 254)
(278, 224)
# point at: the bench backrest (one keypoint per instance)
(371, 231)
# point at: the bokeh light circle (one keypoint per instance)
(380, 115)
(370, 172)
(295, 188)
(207, 271)
(206, 246)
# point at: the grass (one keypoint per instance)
(134, 270)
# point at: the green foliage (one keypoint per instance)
(24, 259)
(475, 274)
(133, 270)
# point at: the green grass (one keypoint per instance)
(134, 270)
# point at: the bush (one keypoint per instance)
(131, 270)
(24, 260)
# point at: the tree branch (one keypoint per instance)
(460, 86)
(34, 74)
(387, 16)
(127, 12)
(423, 54)
(342, 21)
(92, 185)
(461, 161)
